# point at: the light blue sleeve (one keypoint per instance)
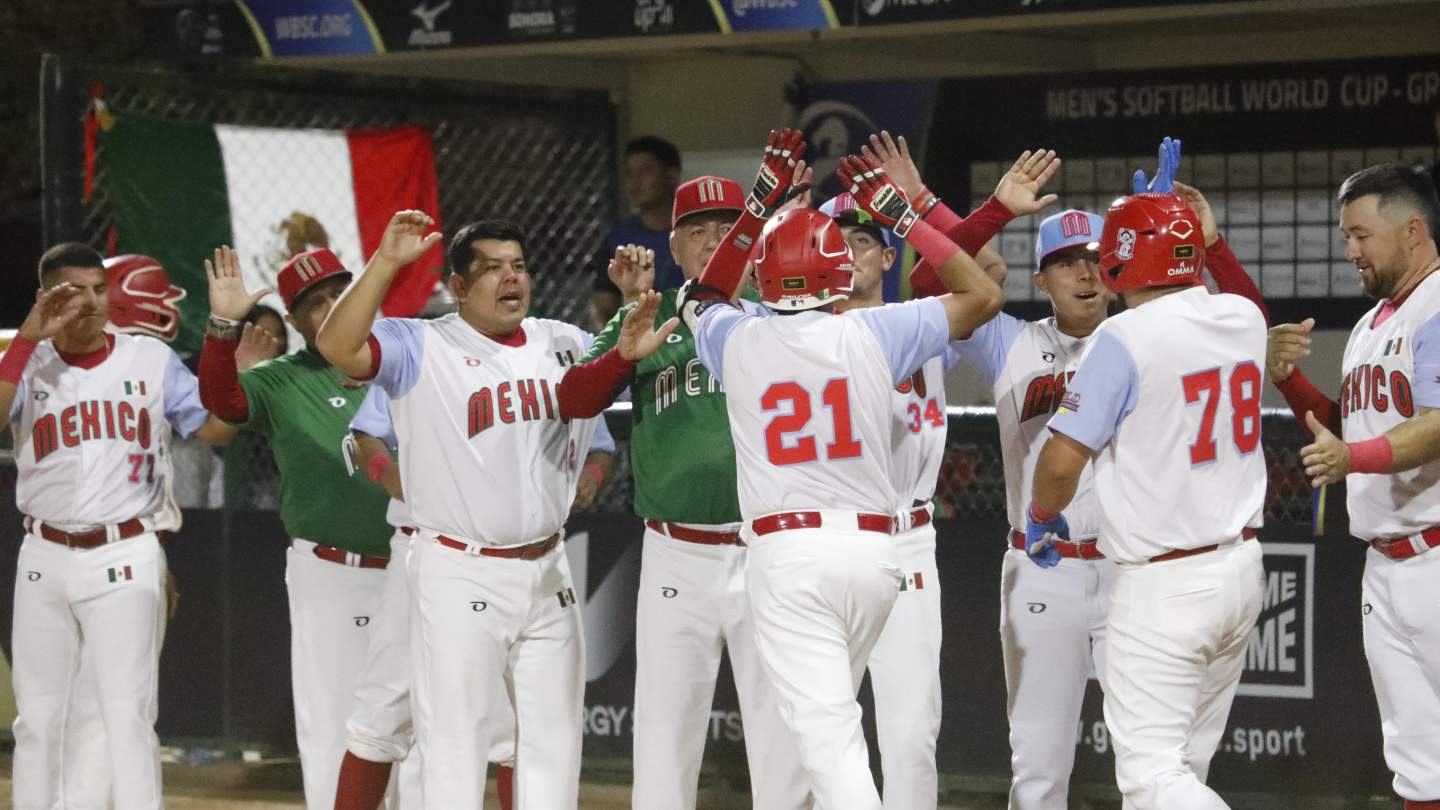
(908, 333)
(374, 416)
(1101, 395)
(1427, 364)
(18, 403)
(987, 347)
(402, 346)
(602, 441)
(716, 324)
(182, 398)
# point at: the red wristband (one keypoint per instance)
(377, 465)
(934, 246)
(12, 365)
(1371, 456)
(1041, 515)
(597, 472)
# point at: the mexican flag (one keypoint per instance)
(180, 190)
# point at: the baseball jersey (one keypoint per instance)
(304, 406)
(809, 399)
(92, 444)
(918, 429)
(373, 418)
(1168, 397)
(1029, 366)
(1392, 369)
(680, 434)
(484, 453)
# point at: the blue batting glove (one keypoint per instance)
(1164, 182)
(1040, 538)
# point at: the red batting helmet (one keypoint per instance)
(305, 270)
(142, 299)
(1150, 240)
(708, 193)
(802, 261)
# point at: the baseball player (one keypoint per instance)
(91, 412)
(489, 468)
(809, 397)
(1388, 414)
(692, 603)
(1167, 403)
(904, 667)
(339, 548)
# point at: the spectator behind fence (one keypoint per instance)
(652, 173)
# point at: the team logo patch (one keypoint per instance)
(792, 283)
(337, 402)
(362, 621)
(119, 574)
(669, 592)
(133, 387)
(1392, 346)
(1036, 607)
(565, 357)
(566, 597)
(1070, 402)
(33, 576)
(912, 582)
(41, 396)
(1125, 251)
(1182, 228)
(1184, 252)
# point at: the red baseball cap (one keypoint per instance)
(305, 270)
(708, 193)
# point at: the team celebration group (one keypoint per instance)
(784, 461)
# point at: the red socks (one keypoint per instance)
(504, 786)
(362, 783)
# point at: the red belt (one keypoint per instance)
(1403, 548)
(689, 535)
(1079, 550)
(529, 551)
(785, 521)
(1181, 553)
(408, 531)
(919, 516)
(350, 558)
(91, 539)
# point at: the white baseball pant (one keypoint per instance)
(692, 606)
(482, 621)
(85, 749)
(820, 598)
(1402, 646)
(1176, 640)
(104, 606)
(332, 611)
(1052, 627)
(905, 677)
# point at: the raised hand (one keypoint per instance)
(54, 310)
(783, 150)
(638, 336)
(1327, 459)
(877, 194)
(1201, 207)
(799, 196)
(632, 270)
(893, 155)
(228, 297)
(256, 346)
(1288, 342)
(405, 238)
(1164, 181)
(1019, 188)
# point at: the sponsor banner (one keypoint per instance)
(880, 12)
(314, 28)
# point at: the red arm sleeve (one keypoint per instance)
(220, 390)
(727, 264)
(971, 234)
(1230, 276)
(589, 388)
(1302, 395)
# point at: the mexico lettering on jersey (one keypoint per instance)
(1391, 372)
(810, 400)
(1168, 397)
(92, 445)
(484, 453)
(1029, 366)
(373, 418)
(919, 428)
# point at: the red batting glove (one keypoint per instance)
(783, 149)
(875, 192)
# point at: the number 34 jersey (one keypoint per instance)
(1168, 398)
(810, 400)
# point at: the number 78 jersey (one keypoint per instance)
(1168, 397)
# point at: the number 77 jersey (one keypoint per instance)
(1168, 397)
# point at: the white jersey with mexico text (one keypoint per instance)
(918, 429)
(1392, 370)
(1168, 397)
(486, 412)
(809, 397)
(92, 444)
(1029, 365)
